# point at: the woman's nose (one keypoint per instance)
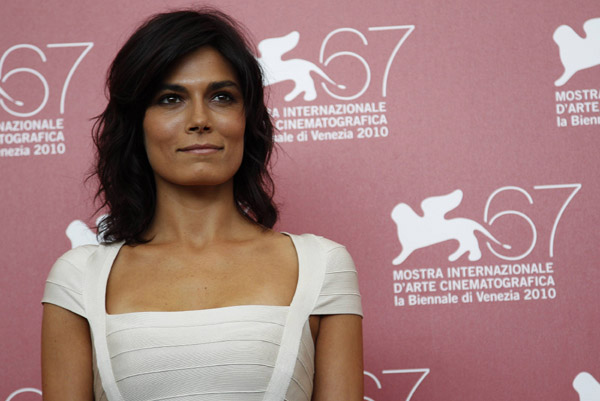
(198, 120)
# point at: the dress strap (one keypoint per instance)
(100, 264)
(311, 273)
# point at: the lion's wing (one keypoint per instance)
(592, 28)
(438, 206)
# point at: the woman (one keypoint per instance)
(191, 295)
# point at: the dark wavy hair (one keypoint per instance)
(126, 180)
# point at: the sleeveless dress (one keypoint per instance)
(241, 353)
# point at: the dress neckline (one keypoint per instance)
(225, 309)
(311, 274)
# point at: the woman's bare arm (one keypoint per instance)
(67, 373)
(339, 359)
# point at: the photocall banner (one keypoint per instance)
(453, 147)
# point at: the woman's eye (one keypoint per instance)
(223, 98)
(169, 99)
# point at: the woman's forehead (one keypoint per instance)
(205, 64)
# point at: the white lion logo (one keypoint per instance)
(415, 232)
(297, 70)
(587, 387)
(577, 53)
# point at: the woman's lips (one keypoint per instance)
(201, 149)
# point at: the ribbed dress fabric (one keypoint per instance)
(241, 353)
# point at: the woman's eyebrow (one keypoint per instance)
(213, 86)
(222, 84)
(171, 87)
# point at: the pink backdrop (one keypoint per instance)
(429, 99)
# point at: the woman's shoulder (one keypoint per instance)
(339, 292)
(317, 240)
(335, 253)
(78, 256)
(65, 285)
(65, 281)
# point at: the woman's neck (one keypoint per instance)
(196, 216)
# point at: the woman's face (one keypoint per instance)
(194, 126)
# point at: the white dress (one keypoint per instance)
(241, 353)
